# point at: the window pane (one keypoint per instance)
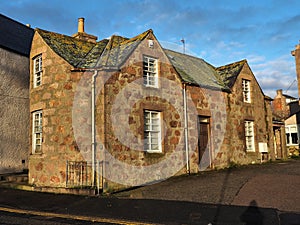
(288, 138)
(37, 132)
(246, 90)
(149, 71)
(294, 138)
(37, 71)
(152, 131)
(249, 136)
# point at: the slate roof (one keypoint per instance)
(115, 53)
(15, 36)
(71, 49)
(196, 71)
(82, 54)
(230, 72)
(289, 97)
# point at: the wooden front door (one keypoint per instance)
(204, 138)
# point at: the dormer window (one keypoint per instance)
(37, 71)
(246, 91)
(150, 74)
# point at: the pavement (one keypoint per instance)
(255, 194)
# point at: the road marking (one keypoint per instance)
(74, 217)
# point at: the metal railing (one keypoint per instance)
(80, 174)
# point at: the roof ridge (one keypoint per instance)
(142, 35)
(15, 21)
(232, 64)
(117, 45)
(64, 35)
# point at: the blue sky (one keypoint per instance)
(221, 32)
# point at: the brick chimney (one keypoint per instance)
(80, 25)
(81, 33)
(280, 107)
(296, 54)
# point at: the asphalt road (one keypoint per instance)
(271, 185)
(257, 194)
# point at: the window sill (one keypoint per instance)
(151, 87)
(37, 154)
(156, 154)
(250, 151)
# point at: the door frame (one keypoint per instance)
(205, 120)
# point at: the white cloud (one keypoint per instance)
(278, 73)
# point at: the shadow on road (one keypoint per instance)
(145, 210)
(252, 215)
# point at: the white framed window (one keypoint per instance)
(37, 71)
(249, 136)
(246, 90)
(291, 132)
(150, 73)
(37, 132)
(152, 131)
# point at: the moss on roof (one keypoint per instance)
(71, 49)
(113, 52)
(83, 54)
(93, 56)
(119, 49)
(230, 72)
(196, 71)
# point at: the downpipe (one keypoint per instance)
(94, 76)
(186, 130)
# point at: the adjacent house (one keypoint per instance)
(287, 109)
(125, 111)
(15, 43)
(250, 122)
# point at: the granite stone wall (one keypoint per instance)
(258, 111)
(55, 98)
(121, 99)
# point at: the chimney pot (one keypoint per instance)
(81, 35)
(279, 92)
(81, 25)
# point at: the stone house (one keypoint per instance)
(250, 119)
(15, 42)
(124, 112)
